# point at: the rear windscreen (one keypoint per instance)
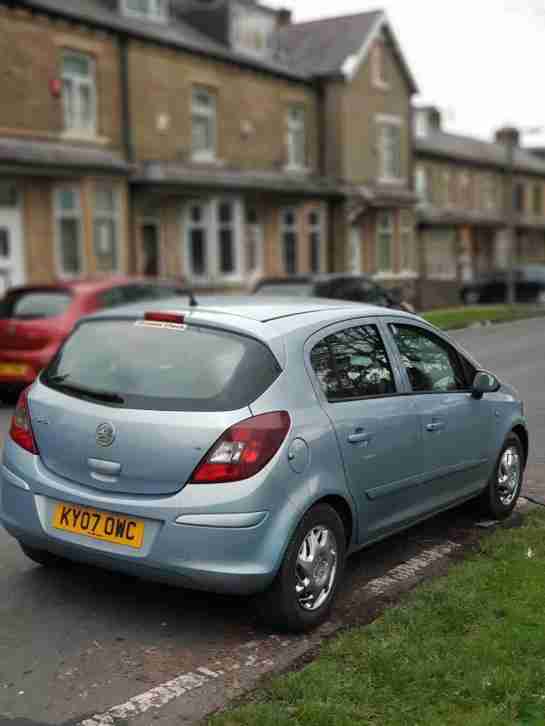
(184, 368)
(34, 305)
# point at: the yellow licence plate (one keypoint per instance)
(13, 369)
(108, 527)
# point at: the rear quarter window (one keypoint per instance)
(189, 368)
(34, 305)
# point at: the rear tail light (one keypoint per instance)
(21, 426)
(175, 318)
(244, 449)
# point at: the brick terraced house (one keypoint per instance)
(218, 141)
(463, 187)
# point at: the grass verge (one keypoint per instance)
(456, 318)
(464, 649)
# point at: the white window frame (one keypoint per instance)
(434, 245)
(60, 214)
(211, 224)
(112, 216)
(208, 112)
(78, 82)
(158, 10)
(407, 229)
(421, 124)
(385, 214)
(378, 65)
(289, 228)
(296, 123)
(316, 228)
(382, 122)
(491, 188)
(421, 183)
(253, 234)
(253, 23)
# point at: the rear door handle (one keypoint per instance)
(435, 426)
(359, 438)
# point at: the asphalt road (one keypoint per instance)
(75, 642)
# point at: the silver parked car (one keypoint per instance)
(249, 448)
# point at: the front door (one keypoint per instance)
(377, 428)
(150, 248)
(354, 250)
(12, 268)
(457, 430)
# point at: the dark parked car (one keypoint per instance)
(355, 288)
(492, 288)
(36, 319)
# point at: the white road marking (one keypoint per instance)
(163, 694)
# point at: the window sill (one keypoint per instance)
(392, 181)
(203, 159)
(381, 85)
(86, 137)
(403, 275)
(301, 170)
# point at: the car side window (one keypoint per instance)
(353, 364)
(432, 365)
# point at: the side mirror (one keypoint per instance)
(484, 382)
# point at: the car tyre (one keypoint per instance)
(503, 489)
(41, 557)
(307, 583)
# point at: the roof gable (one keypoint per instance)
(339, 45)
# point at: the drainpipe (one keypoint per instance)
(126, 126)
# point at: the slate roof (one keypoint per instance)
(175, 32)
(466, 148)
(321, 47)
(59, 155)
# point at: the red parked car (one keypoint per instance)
(36, 319)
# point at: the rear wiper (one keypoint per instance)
(105, 396)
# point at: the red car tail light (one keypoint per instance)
(21, 426)
(244, 449)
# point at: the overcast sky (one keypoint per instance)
(479, 60)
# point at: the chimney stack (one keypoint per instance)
(508, 135)
(283, 17)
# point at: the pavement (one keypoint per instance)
(79, 646)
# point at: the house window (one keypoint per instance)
(254, 241)
(289, 240)
(213, 240)
(106, 228)
(490, 193)
(447, 196)
(315, 234)
(421, 124)
(252, 31)
(197, 240)
(407, 241)
(440, 246)
(68, 229)
(390, 151)
(385, 238)
(79, 93)
(538, 200)
(150, 9)
(379, 65)
(421, 183)
(296, 138)
(520, 206)
(203, 124)
(465, 190)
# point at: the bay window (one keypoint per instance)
(106, 228)
(289, 237)
(385, 239)
(213, 241)
(68, 231)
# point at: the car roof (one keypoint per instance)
(311, 279)
(88, 285)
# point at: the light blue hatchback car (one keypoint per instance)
(248, 448)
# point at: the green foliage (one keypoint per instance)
(464, 649)
(456, 318)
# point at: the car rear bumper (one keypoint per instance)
(218, 556)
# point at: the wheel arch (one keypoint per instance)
(344, 510)
(522, 433)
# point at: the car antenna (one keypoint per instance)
(192, 299)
